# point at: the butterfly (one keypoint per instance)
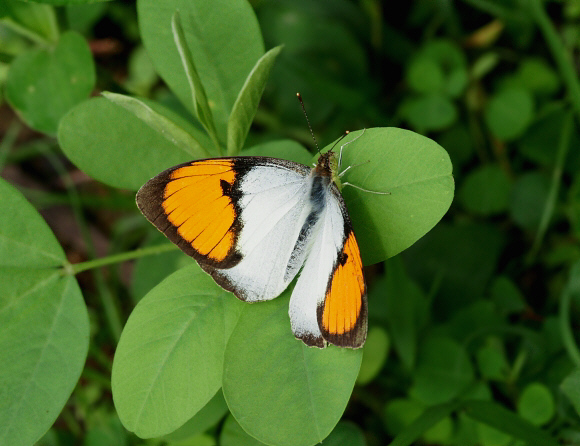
(254, 222)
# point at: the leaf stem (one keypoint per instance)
(118, 258)
(561, 56)
(572, 290)
(565, 138)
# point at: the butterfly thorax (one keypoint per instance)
(327, 166)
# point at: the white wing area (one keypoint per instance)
(274, 209)
(310, 289)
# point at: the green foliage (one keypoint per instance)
(45, 328)
(472, 328)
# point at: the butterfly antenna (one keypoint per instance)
(299, 96)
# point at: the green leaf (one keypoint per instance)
(440, 66)
(486, 191)
(312, 386)
(407, 419)
(491, 359)
(571, 388)
(463, 272)
(406, 311)
(198, 96)
(528, 199)
(43, 85)
(232, 434)
(506, 296)
(45, 328)
(417, 173)
(67, 2)
(345, 433)
(162, 125)
(103, 139)
(248, 100)
(506, 421)
(207, 417)
(425, 75)
(150, 270)
(429, 112)
(537, 76)
(539, 142)
(509, 113)
(224, 37)
(169, 361)
(536, 404)
(375, 352)
(35, 22)
(443, 371)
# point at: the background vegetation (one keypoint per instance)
(472, 329)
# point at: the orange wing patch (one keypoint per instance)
(192, 205)
(194, 202)
(342, 318)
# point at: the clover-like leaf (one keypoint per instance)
(45, 327)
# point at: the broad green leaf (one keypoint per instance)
(248, 100)
(375, 352)
(409, 421)
(312, 386)
(509, 112)
(285, 149)
(429, 112)
(536, 404)
(114, 146)
(162, 125)
(36, 22)
(198, 96)
(443, 371)
(504, 420)
(207, 417)
(571, 388)
(45, 328)
(43, 85)
(416, 172)
(486, 191)
(224, 39)
(169, 361)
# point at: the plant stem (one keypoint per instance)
(107, 300)
(565, 138)
(117, 258)
(561, 56)
(571, 291)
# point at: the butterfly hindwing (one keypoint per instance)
(329, 301)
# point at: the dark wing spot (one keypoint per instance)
(226, 188)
